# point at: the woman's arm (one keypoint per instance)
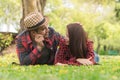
(90, 51)
(63, 55)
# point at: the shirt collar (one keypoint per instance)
(48, 42)
(28, 38)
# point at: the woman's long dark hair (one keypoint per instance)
(77, 40)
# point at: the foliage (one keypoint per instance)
(9, 15)
(99, 24)
(10, 11)
(98, 18)
(5, 40)
(107, 70)
(117, 9)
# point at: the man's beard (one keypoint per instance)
(46, 35)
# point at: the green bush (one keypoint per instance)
(5, 40)
(113, 52)
(102, 52)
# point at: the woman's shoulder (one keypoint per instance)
(89, 42)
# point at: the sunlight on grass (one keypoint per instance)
(109, 69)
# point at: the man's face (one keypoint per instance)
(43, 30)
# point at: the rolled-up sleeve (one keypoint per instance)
(90, 51)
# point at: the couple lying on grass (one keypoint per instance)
(40, 44)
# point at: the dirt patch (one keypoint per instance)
(8, 50)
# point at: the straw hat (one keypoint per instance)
(34, 20)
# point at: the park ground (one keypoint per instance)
(109, 69)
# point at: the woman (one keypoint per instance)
(76, 49)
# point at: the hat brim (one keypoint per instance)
(46, 21)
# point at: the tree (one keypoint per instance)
(100, 34)
(31, 6)
(117, 9)
(8, 8)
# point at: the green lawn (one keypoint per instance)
(109, 69)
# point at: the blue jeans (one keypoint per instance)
(97, 58)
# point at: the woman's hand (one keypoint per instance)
(61, 64)
(84, 61)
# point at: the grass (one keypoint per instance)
(109, 69)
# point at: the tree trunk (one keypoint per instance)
(105, 48)
(31, 6)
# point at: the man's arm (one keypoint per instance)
(25, 56)
(90, 55)
(55, 35)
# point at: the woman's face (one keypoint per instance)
(67, 37)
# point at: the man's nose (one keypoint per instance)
(47, 30)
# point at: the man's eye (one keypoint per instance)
(43, 29)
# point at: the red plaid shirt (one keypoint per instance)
(28, 54)
(64, 56)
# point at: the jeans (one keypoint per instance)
(97, 58)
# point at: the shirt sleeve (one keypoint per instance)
(55, 36)
(90, 51)
(25, 56)
(63, 55)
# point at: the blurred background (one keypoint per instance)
(100, 19)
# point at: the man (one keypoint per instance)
(38, 43)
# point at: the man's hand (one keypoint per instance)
(39, 41)
(84, 61)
